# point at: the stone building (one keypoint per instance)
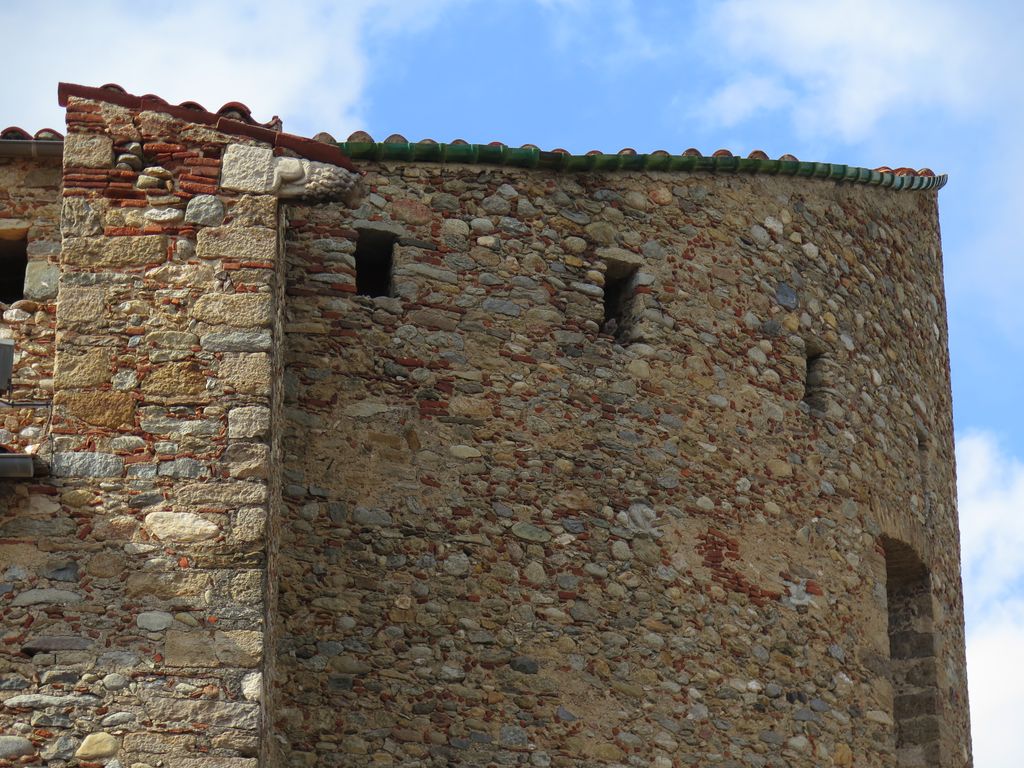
(392, 454)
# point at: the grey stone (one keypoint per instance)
(496, 205)
(513, 736)
(388, 227)
(182, 468)
(67, 571)
(760, 235)
(79, 218)
(426, 270)
(15, 746)
(47, 643)
(88, 150)
(819, 706)
(13, 683)
(530, 532)
(588, 289)
(236, 341)
(59, 677)
(42, 701)
(64, 571)
(61, 748)
(206, 210)
(41, 280)
(81, 464)
(250, 421)
(154, 621)
(366, 516)
(525, 664)
(350, 665)
(29, 528)
(620, 550)
(184, 527)
(46, 596)
(115, 681)
(456, 564)
(582, 611)
(785, 294)
(164, 215)
(444, 202)
(167, 711)
(501, 307)
(159, 425)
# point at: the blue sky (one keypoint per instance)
(867, 82)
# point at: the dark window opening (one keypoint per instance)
(375, 256)
(13, 261)
(912, 656)
(619, 283)
(921, 434)
(816, 379)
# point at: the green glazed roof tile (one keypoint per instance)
(559, 160)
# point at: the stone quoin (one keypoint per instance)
(414, 454)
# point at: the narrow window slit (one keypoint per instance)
(912, 659)
(13, 262)
(618, 295)
(816, 379)
(375, 257)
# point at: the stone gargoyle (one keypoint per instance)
(257, 170)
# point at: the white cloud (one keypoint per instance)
(991, 504)
(996, 678)
(306, 63)
(744, 97)
(606, 36)
(846, 64)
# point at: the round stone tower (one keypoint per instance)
(432, 455)
(617, 460)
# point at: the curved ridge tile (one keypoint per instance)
(360, 147)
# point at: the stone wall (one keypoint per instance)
(133, 601)
(624, 468)
(517, 534)
(30, 211)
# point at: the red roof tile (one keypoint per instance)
(234, 118)
(14, 133)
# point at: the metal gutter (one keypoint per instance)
(16, 465)
(33, 148)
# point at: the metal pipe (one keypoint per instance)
(22, 148)
(16, 465)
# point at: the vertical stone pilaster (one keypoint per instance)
(167, 325)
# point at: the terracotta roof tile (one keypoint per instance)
(236, 118)
(233, 118)
(14, 133)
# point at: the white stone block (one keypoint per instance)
(248, 169)
(248, 422)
